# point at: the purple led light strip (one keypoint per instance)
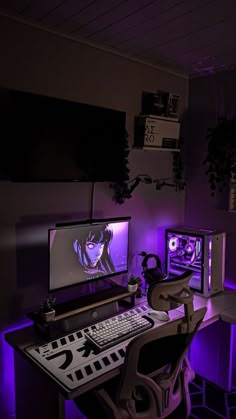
(7, 371)
(7, 379)
(209, 264)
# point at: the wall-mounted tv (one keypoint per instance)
(51, 139)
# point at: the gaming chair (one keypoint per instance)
(155, 376)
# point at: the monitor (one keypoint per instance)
(87, 251)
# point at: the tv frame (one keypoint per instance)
(84, 223)
(72, 167)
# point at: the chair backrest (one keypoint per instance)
(156, 372)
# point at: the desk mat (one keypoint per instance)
(73, 361)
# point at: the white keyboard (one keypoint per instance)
(116, 329)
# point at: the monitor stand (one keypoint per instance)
(96, 296)
(100, 303)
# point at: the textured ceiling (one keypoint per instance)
(194, 37)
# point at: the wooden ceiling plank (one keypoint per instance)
(79, 13)
(166, 38)
(156, 21)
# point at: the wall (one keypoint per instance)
(209, 98)
(42, 62)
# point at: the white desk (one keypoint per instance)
(212, 353)
(40, 395)
(217, 307)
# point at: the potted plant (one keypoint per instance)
(221, 154)
(47, 312)
(133, 283)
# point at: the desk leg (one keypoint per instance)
(211, 354)
(36, 395)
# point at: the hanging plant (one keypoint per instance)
(123, 189)
(221, 154)
(120, 186)
(178, 168)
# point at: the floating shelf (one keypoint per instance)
(156, 148)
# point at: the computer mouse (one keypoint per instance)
(162, 316)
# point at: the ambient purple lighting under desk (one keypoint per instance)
(7, 377)
(7, 374)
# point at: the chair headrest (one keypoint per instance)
(169, 294)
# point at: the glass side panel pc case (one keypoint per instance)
(86, 251)
(202, 251)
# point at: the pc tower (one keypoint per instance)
(202, 251)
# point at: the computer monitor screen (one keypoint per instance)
(87, 251)
(185, 251)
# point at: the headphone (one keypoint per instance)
(152, 275)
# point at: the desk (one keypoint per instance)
(41, 393)
(212, 353)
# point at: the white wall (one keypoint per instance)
(42, 62)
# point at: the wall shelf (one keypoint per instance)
(156, 148)
(155, 132)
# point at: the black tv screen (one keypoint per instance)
(51, 139)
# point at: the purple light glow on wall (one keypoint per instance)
(7, 375)
(229, 284)
(72, 411)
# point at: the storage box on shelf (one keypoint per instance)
(156, 133)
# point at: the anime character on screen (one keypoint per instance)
(92, 250)
(84, 252)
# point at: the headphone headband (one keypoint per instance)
(151, 256)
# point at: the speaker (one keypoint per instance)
(89, 316)
(152, 275)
